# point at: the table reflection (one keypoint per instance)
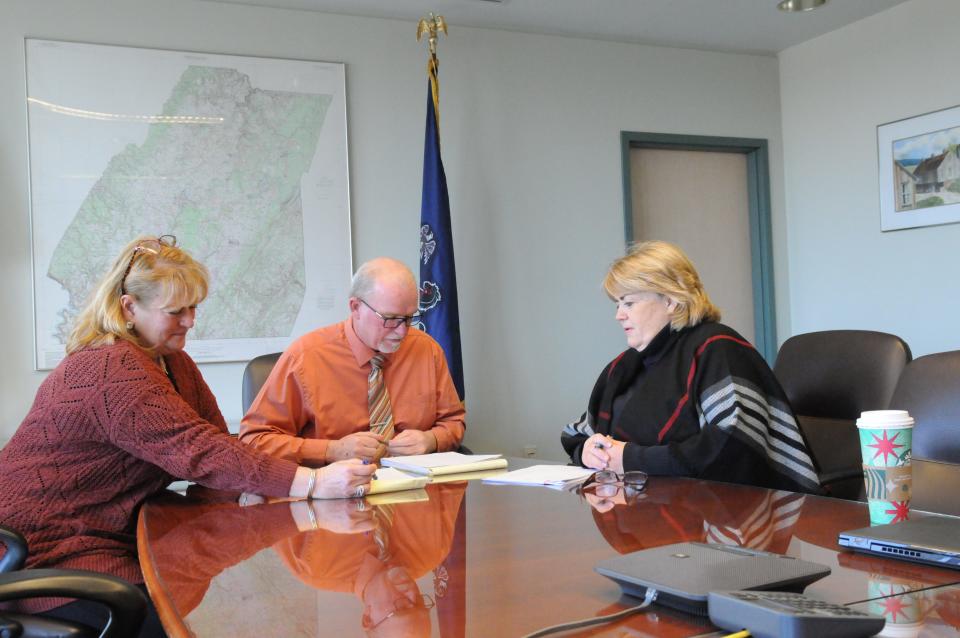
(700, 512)
(381, 567)
(925, 613)
(374, 568)
(375, 552)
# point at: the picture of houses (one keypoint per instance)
(926, 170)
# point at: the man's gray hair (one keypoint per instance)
(369, 274)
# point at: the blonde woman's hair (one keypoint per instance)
(661, 267)
(158, 273)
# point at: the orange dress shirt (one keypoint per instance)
(317, 392)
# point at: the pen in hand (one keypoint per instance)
(374, 477)
(603, 443)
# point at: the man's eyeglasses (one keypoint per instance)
(400, 605)
(152, 246)
(393, 322)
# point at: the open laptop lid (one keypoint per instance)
(932, 540)
(684, 573)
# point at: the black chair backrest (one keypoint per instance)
(831, 377)
(254, 375)
(930, 390)
(840, 373)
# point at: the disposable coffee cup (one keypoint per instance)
(886, 446)
(902, 602)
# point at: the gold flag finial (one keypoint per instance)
(431, 25)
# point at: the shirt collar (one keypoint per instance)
(361, 353)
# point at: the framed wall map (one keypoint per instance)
(244, 159)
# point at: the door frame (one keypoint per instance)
(758, 196)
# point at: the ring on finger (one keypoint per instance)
(360, 491)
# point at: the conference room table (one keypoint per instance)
(468, 558)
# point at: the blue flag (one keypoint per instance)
(438, 275)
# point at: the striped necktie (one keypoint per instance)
(382, 522)
(378, 400)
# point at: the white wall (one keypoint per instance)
(835, 90)
(530, 129)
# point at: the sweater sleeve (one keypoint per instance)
(208, 409)
(143, 415)
(747, 431)
(576, 433)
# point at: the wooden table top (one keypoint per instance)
(473, 559)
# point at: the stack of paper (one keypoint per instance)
(441, 463)
(396, 498)
(390, 480)
(555, 476)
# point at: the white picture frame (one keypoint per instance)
(244, 158)
(919, 170)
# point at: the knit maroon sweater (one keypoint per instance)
(107, 430)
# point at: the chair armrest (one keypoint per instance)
(127, 604)
(16, 550)
(10, 628)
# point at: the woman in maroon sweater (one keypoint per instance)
(124, 414)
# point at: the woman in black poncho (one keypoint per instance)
(690, 396)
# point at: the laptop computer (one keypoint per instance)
(683, 574)
(932, 540)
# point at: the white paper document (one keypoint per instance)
(445, 463)
(559, 476)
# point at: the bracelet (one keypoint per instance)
(313, 516)
(310, 485)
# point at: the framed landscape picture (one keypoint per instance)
(919, 164)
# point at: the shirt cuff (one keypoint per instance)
(313, 452)
(445, 440)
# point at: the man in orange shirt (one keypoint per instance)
(313, 408)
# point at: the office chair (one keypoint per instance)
(929, 389)
(254, 376)
(125, 603)
(830, 377)
(256, 373)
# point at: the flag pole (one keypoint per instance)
(433, 25)
(441, 317)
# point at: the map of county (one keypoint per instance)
(228, 188)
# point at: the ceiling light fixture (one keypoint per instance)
(793, 6)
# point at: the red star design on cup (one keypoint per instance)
(885, 446)
(900, 511)
(894, 606)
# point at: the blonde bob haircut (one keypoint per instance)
(159, 273)
(662, 268)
